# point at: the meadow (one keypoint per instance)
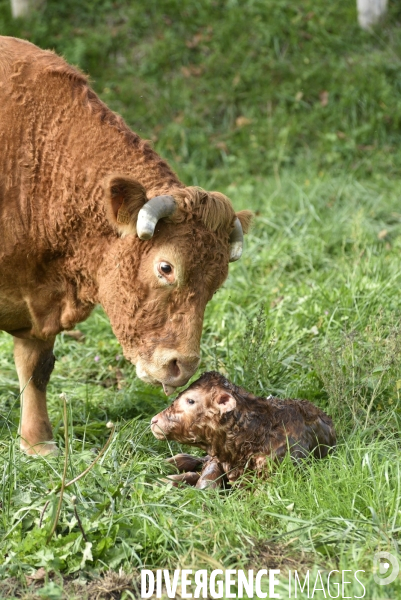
(294, 112)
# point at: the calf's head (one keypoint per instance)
(156, 278)
(199, 414)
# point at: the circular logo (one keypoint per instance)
(385, 568)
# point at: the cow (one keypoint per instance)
(239, 430)
(90, 214)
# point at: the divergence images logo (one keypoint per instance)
(383, 574)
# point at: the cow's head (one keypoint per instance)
(170, 256)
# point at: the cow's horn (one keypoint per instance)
(155, 209)
(236, 241)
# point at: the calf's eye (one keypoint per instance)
(190, 401)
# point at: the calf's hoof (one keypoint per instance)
(185, 478)
(212, 475)
(203, 484)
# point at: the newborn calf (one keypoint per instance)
(239, 430)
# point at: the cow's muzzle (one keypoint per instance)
(168, 368)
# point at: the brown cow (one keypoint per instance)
(89, 214)
(239, 430)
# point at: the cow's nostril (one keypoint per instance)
(153, 421)
(174, 368)
(178, 368)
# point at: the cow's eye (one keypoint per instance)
(166, 268)
(190, 401)
(166, 271)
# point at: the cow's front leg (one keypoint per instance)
(34, 360)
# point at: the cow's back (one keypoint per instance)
(11, 50)
(15, 56)
(42, 138)
(42, 121)
(14, 52)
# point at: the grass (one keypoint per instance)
(312, 309)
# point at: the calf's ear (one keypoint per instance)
(225, 402)
(124, 198)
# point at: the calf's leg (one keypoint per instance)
(187, 462)
(212, 475)
(189, 478)
(34, 361)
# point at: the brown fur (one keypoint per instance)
(70, 173)
(43, 370)
(212, 208)
(240, 430)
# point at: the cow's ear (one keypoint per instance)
(225, 402)
(124, 198)
(245, 218)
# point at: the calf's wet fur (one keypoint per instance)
(239, 431)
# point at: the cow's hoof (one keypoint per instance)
(40, 449)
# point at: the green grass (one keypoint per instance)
(231, 94)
